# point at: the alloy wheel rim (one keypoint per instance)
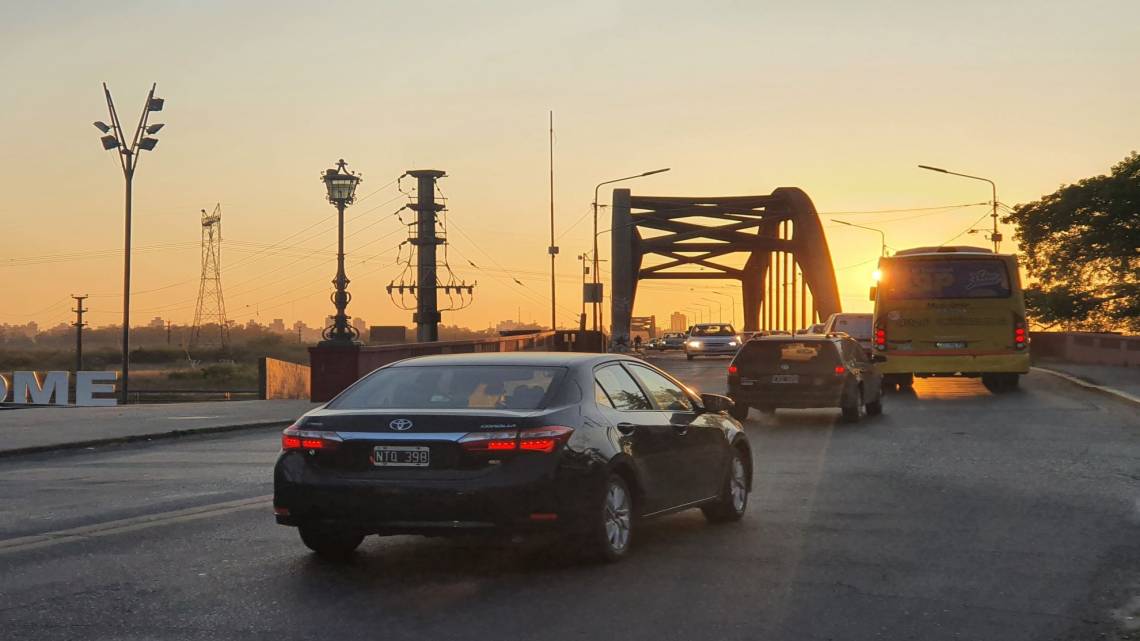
(738, 486)
(617, 517)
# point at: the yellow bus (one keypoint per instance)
(950, 311)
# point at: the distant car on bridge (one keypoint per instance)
(829, 370)
(857, 326)
(711, 339)
(674, 340)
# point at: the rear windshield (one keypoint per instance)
(945, 278)
(854, 326)
(818, 357)
(713, 330)
(512, 387)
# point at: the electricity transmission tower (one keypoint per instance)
(210, 313)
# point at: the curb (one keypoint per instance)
(1125, 396)
(217, 429)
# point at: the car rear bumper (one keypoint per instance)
(901, 362)
(514, 497)
(787, 396)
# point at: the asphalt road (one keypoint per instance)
(956, 515)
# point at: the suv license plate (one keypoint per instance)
(950, 345)
(401, 456)
(786, 378)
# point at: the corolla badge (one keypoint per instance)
(784, 366)
(400, 424)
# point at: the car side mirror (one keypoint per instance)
(878, 358)
(716, 403)
(874, 290)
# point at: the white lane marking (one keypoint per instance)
(187, 418)
(120, 526)
(1100, 388)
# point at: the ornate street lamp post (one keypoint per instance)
(341, 185)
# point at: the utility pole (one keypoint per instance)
(168, 324)
(79, 325)
(211, 306)
(552, 250)
(427, 315)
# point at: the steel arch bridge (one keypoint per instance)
(774, 245)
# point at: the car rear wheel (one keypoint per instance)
(854, 410)
(875, 407)
(733, 499)
(329, 544)
(613, 527)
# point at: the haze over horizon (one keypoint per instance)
(734, 97)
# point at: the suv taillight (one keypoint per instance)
(533, 439)
(1020, 335)
(296, 438)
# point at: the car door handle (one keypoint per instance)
(626, 428)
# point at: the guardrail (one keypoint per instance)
(1087, 347)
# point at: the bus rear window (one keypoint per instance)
(945, 278)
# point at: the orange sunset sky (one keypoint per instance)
(841, 99)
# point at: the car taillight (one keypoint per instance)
(543, 439)
(534, 439)
(840, 370)
(732, 370)
(295, 438)
(490, 441)
(880, 339)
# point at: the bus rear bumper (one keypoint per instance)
(919, 364)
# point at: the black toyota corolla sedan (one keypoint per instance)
(579, 444)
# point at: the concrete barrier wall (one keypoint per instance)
(282, 380)
(1087, 347)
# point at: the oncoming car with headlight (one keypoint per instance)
(565, 443)
(711, 339)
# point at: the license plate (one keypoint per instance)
(786, 378)
(950, 345)
(401, 456)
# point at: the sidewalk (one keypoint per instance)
(35, 429)
(1121, 379)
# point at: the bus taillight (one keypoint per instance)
(1020, 337)
(880, 339)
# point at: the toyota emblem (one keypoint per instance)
(783, 366)
(400, 425)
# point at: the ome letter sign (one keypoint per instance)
(92, 389)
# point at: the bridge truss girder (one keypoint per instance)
(780, 232)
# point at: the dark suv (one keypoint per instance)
(825, 370)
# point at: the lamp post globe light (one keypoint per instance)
(127, 150)
(341, 186)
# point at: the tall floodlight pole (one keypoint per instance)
(597, 280)
(719, 309)
(341, 186)
(996, 235)
(882, 236)
(731, 300)
(128, 158)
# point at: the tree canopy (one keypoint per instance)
(1082, 247)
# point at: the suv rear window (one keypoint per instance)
(806, 357)
(856, 326)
